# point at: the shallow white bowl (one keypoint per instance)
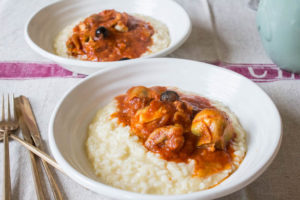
(43, 26)
(255, 110)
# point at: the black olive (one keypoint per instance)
(125, 58)
(169, 96)
(101, 30)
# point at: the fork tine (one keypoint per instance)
(8, 108)
(14, 108)
(3, 112)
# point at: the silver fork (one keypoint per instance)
(7, 125)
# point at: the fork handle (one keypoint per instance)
(7, 187)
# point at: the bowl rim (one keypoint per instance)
(110, 190)
(99, 65)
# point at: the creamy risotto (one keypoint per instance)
(120, 159)
(160, 39)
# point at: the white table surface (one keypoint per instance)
(223, 30)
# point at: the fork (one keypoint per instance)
(7, 126)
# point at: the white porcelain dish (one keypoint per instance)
(43, 26)
(255, 110)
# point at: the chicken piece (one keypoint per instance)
(138, 98)
(156, 110)
(156, 114)
(183, 114)
(115, 20)
(76, 41)
(144, 92)
(121, 27)
(138, 91)
(82, 26)
(213, 127)
(170, 137)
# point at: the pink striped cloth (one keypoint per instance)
(29, 70)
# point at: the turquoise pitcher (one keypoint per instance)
(278, 23)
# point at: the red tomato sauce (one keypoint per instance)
(139, 100)
(123, 36)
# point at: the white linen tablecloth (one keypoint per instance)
(223, 30)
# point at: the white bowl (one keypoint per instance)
(43, 26)
(255, 110)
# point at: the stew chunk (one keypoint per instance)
(213, 127)
(168, 137)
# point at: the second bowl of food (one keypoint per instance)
(85, 36)
(165, 129)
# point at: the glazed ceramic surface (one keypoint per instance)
(255, 110)
(278, 23)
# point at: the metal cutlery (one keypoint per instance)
(7, 125)
(23, 116)
(30, 121)
(34, 161)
